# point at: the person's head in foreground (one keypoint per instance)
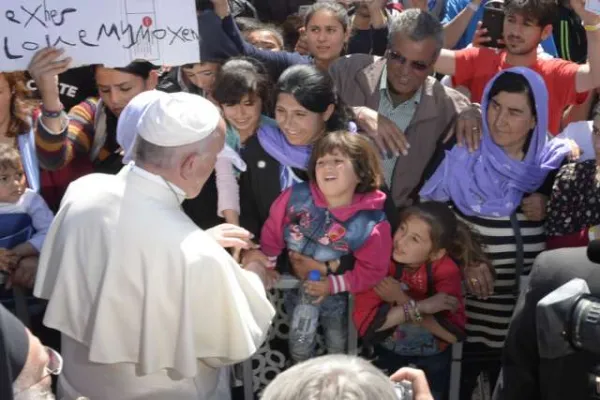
(26, 365)
(331, 377)
(12, 177)
(179, 137)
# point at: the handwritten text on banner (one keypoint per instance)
(110, 32)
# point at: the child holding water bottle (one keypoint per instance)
(418, 311)
(339, 212)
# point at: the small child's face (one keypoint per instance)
(12, 184)
(412, 242)
(335, 175)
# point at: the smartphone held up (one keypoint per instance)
(493, 21)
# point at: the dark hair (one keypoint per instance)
(219, 63)
(542, 11)
(315, 91)
(290, 28)
(448, 232)
(139, 68)
(338, 11)
(512, 82)
(20, 105)
(10, 158)
(365, 160)
(240, 77)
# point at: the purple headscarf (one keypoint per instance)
(488, 182)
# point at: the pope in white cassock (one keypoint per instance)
(149, 305)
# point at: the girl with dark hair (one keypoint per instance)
(326, 29)
(418, 311)
(501, 189)
(242, 92)
(339, 212)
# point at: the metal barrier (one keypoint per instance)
(288, 282)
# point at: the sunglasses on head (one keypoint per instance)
(399, 58)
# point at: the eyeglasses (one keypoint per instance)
(54, 366)
(399, 58)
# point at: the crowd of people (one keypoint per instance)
(150, 213)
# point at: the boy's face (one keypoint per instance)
(523, 34)
(202, 75)
(12, 184)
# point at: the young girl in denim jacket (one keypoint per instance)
(339, 212)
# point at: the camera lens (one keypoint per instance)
(586, 325)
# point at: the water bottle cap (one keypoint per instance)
(314, 275)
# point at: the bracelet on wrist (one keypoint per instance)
(406, 308)
(51, 113)
(592, 28)
(415, 307)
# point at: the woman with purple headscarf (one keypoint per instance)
(496, 189)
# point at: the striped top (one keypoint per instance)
(57, 150)
(488, 320)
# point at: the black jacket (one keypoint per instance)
(525, 375)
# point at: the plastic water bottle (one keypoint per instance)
(306, 315)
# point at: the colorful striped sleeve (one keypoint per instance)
(56, 150)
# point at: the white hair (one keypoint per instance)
(146, 153)
(332, 377)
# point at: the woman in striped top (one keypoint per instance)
(490, 190)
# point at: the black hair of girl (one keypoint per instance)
(335, 8)
(512, 82)
(239, 77)
(448, 232)
(315, 91)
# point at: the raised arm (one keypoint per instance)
(588, 75)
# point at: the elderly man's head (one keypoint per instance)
(25, 364)
(331, 377)
(179, 137)
(416, 39)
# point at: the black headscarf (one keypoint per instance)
(14, 348)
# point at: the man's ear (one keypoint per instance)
(546, 32)
(188, 166)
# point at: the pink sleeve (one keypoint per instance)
(271, 236)
(228, 189)
(371, 265)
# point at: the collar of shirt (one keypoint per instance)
(383, 87)
(177, 191)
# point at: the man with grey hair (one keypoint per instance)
(399, 104)
(149, 305)
(341, 377)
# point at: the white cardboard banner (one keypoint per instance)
(109, 32)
